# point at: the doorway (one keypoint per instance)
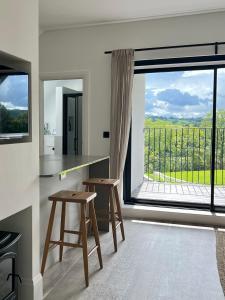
(177, 140)
(72, 123)
(62, 117)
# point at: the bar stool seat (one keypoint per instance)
(102, 181)
(73, 196)
(114, 203)
(86, 202)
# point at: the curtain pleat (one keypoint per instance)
(122, 70)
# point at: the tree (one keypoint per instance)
(13, 121)
(4, 119)
(220, 119)
(173, 145)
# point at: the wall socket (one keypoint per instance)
(106, 134)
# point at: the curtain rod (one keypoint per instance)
(180, 60)
(216, 44)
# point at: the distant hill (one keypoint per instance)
(171, 121)
(14, 113)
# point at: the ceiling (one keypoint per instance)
(56, 14)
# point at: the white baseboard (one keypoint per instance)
(31, 289)
(174, 215)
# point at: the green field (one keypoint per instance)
(183, 144)
(157, 178)
(200, 177)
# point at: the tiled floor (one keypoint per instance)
(182, 192)
(156, 262)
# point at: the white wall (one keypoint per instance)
(19, 163)
(82, 49)
(59, 109)
(50, 105)
(137, 140)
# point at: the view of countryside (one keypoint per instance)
(178, 127)
(13, 104)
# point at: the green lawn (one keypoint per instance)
(200, 177)
(157, 178)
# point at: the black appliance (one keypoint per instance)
(8, 254)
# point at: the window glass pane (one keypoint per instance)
(171, 136)
(219, 192)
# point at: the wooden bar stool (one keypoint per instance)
(86, 201)
(114, 203)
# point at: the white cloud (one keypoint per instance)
(197, 73)
(195, 83)
(11, 106)
(165, 109)
(193, 86)
(160, 104)
(4, 87)
(156, 91)
(200, 72)
(200, 90)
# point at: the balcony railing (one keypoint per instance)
(183, 154)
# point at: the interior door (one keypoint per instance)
(72, 124)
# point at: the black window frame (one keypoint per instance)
(128, 199)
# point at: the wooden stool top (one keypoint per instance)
(73, 196)
(102, 181)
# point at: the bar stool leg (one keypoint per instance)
(62, 228)
(96, 233)
(79, 236)
(90, 226)
(84, 242)
(48, 237)
(119, 211)
(113, 220)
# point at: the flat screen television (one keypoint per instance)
(14, 107)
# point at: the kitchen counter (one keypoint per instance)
(53, 165)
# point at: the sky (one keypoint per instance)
(183, 94)
(14, 92)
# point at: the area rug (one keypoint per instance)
(220, 255)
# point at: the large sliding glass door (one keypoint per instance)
(177, 145)
(219, 174)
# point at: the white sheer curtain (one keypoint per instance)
(122, 70)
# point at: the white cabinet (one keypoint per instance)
(49, 144)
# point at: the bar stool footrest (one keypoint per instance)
(60, 243)
(72, 231)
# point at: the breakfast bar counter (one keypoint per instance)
(67, 172)
(53, 165)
